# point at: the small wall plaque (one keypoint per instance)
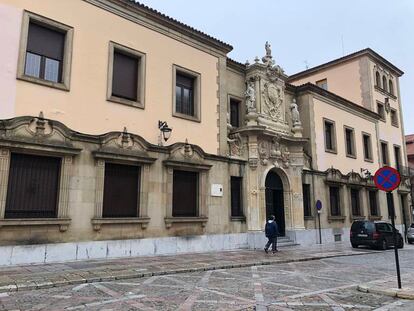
(216, 190)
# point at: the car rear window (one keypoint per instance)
(363, 226)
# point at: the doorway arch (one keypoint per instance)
(275, 201)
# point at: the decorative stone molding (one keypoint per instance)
(4, 177)
(169, 221)
(98, 222)
(63, 223)
(236, 146)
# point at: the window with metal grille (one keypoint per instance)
(306, 200)
(373, 203)
(334, 201)
(125, 76)
(121, 191)
(184, 94)
(355, 204)
(33, 186)
(329, 136)
(234, 113)
(185, 194)
(44, 54)
(236, 196)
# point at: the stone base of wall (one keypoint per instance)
(61, 252)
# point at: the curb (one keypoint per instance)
(76, 278)
(404, 293)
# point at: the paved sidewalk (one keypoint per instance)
(53, 275)
(389, 287)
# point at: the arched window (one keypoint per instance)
(377, 79)
(384, 83)
(391, 87)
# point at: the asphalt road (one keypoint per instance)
(328, 284)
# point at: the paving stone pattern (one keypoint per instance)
(326, 284)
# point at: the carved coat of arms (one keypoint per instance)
(273, 98)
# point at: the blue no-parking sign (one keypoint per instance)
(387, 179)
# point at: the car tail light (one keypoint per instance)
(350, 234)
(375, 235)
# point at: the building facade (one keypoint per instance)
(409, 141)
(86, 170)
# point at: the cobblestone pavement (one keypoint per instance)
(326, 284)
(53, 275)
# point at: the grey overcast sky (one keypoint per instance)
(308, 32)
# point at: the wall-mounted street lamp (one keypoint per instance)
(165, 132)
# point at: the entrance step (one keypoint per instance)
(285, 241)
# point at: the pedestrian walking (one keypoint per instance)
(271, 231)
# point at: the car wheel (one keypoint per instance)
(354, 245)
(401, 243)
(384, 245)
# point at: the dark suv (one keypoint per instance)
(376, 234)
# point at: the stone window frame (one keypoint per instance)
(354, 154)
(231, 97)
(388, 153)
(370, 216)
(140, 102)
(360, 202)
(197, 93)
(202, 170)
(100, 159)
(334, 140)
(381, 111)
(62, 220)
(67, 53)
(371, 159)
(340, 186)
(394, 117)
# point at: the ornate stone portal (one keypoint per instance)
(271, 140)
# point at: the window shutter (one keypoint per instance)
(46, 42)
(125, 76)
(185, 194)
(236, 196)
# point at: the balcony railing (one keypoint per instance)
(405, 171)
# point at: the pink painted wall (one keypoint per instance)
(10, 24)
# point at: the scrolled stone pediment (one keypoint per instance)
(187, 156)
(334, 175)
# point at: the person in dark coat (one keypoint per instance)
(271, 231)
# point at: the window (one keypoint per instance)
(236, 196)
(330, 139)
(306, 200)
(350, 142)
(397, 156)
(126, 76)
(394, 117)
(185, 194)
(384, 83)
(366, 140)
(121, 191)
(373, 202)
(377, 79)
(391, 87)
(45, 51)
(355, 204)
(234, 112)
(322, 84)
(384, 153)
(33, 187)
(334, 200)
(381, 110)
(187, 94)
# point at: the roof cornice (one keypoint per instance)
(231, 63)
(166, 21)
(365, 52)
(309, 87)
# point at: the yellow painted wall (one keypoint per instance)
(343, 80)
(85, 108)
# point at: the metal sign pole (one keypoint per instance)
(320, 231)
(394, 233)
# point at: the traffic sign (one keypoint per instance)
(318, 205)
(387, 179)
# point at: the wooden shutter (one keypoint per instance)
(236, 196)
(185, 194)
(46, 42)
(125, 76)
(306, 200)
(33, 187)
(121, 195)
(234, 113)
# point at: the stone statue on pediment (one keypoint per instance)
(268, 58)
(250, 96)
(295, 113)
